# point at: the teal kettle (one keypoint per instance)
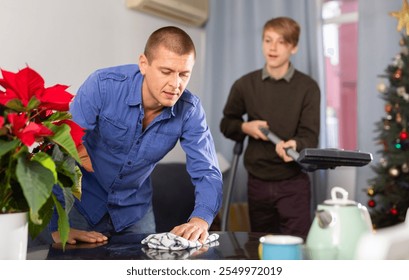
(337, 227)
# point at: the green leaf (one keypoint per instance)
(59, 116)
(63, 138)
(63, 224)
(45, 215)
(69, 174)
(16, 105)
(7, 146)
(36, 182)
(47, 162)
(32, 104)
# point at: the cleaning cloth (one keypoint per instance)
(170, 241)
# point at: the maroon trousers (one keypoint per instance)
(280, 207)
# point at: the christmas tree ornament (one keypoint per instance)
(370, 191)
(393, 211)
(398, 74)
(394, 172)
(405, 168)
(403, 135)
(371, 203)
(383, 162)
(386, 125)
(388, 108)
(398, 118)
(402, 16)
(401, 91)
(381, 87)
(398, 62)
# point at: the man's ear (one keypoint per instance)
(294, 50)
(143, 63)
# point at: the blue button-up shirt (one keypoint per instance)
(109, 106)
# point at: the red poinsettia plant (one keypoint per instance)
(38, 150)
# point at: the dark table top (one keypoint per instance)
(230, 246)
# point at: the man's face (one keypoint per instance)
(276, 50)
(166, 77)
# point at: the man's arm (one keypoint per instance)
(85, 159)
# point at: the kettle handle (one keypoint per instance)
(340, 190)
(366, 215)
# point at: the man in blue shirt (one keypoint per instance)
(133, 116)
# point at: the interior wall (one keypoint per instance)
(67, 40)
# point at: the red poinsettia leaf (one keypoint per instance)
(7, 95)
(24, 84)
(56, 98)
(3, 81)
(1, 121)
(76, 131)
(17, 121)
(33, 131)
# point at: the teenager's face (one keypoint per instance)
(165, 77)
(276, 50)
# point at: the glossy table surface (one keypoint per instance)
(229, 246)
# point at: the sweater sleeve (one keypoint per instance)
(233, 112)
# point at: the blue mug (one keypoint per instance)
(281, 247)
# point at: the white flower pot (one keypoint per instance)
(13, 236)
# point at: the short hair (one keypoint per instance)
(286, 27)
(172, 38)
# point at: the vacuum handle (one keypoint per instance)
(275, 139)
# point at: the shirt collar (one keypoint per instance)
(135, 98)
(288, 75)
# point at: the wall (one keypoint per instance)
(66, 40)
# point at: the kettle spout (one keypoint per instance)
(324, 218)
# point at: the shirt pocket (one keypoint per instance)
(157, 145)
(114, 134)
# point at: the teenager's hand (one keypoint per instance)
(252, 129)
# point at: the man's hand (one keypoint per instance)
(252, 129)
(195, 229)
(280, 149)
(80, 235)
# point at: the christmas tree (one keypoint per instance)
(389, 191)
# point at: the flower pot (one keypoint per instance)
(13, 236)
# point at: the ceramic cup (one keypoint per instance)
(281, 247)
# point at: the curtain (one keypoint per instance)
(233, 48)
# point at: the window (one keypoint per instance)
(340, 37)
